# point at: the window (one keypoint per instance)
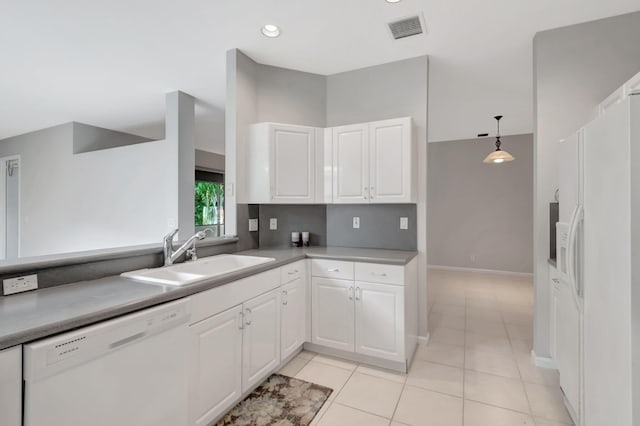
(209, 201)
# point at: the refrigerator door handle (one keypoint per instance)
(571, 245)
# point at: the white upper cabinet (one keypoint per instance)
(390, 161)
(373, 162)
(281, 164)
(632, 87)
(351, 164)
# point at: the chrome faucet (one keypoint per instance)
(189, 246)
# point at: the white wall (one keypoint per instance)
(464, 97)
(575, 68)
(108, 198)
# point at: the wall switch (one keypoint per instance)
(404, 223)
(273, 224)
(253, 225)
(356, 222)
(20, 284)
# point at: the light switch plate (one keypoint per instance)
(253, 225)
(404, 223)
(356, 222)
(20, 284)
(273, 224)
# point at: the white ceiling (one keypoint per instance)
(109, 63)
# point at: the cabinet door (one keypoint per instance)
(261, 338)
(351, 164)
(292, 164)
(332, 311)
(390, 161)
(380, 320)
(293, 317)
(11, 386)
(216, 365)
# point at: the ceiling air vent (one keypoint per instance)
(406, 27)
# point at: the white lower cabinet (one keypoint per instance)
(372, 315)
(379, 320)
(332, 313)
(11, 386)
(261, 338)
(292, 317)
(216, 365)
(236, 337)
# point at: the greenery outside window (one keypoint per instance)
(209, 201)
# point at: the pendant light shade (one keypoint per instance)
(498, 156)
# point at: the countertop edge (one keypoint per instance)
(50, 329)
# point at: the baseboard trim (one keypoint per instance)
(423, 340)
(484, 271)
(543, 361)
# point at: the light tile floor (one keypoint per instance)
(475, 371)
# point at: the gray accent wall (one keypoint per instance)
(481, 215)
(309, 218)
(574, 69)
(379, 226)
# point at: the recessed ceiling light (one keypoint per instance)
(271, 30)
(393, 1)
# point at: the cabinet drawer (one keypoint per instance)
(292, 272)
(218, 299)
(377, 273)
(332, 269)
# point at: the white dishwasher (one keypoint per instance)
(129, 371)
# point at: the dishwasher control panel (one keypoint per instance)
(51, 355)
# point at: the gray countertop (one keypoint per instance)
(30, 316)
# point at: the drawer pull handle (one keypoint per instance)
(292, 272)
(382, 274)
(350, 292)
(334, 270)
(358, 293)
(241, 320)
(284, 297)
(555, 280)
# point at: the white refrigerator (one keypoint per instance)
(603, 261)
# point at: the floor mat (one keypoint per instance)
(280, 401)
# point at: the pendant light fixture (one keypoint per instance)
(498, 156)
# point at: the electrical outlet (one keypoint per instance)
(20, 284)
(356, 222)
(404, 223)
(253, 225)
(273, 224)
